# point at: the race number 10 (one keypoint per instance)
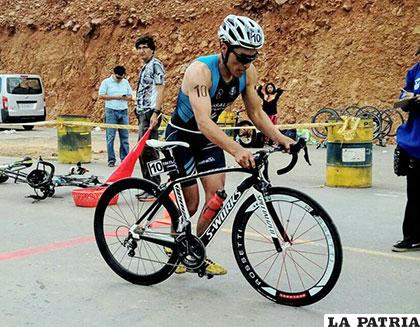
(155, 167)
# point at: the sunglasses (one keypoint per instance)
(245, 59)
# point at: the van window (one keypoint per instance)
(23, 85)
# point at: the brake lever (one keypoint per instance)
(306, 155)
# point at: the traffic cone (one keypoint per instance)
(166, 219)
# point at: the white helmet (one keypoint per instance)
(241, 31)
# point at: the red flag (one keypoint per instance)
(125, 169)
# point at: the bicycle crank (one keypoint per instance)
(191, 251)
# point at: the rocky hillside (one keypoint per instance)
(324, 52)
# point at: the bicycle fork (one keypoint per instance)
(271, 219)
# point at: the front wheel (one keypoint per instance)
(304, 264)
(143, 261)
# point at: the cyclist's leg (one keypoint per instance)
(210, 184)
(211, 157)
(186, 163)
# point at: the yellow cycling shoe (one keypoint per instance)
(180, 269)
(213, 268)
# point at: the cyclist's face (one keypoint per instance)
(240, 59)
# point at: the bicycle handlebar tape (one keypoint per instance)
(349, 162)
(74, 142)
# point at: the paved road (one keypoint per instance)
(52, 273)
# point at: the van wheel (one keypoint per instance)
(28, 127)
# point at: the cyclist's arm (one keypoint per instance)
(257, 115)
(196, 85)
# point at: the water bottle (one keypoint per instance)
(214, 205)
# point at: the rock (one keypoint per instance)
(76, 28)
(87, 29)
(347, 7)
(69, 24)
(96, 21)
(280, 2)
(178, 49)
(11, 29)
(204, 44)
(398, 11)
(30, 23)
(416, 30)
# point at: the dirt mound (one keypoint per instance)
(324, 52)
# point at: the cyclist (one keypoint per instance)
(209, 85)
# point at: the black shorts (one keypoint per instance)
(201, 156)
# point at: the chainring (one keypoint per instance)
(191, 251)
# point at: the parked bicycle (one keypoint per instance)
(385, 122)
(285, 244)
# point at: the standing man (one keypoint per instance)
(116, 91)
(408, 139)
(150, 93)
(210, 84)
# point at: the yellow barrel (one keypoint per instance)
(74, 142)
(227, 119)
(349, 162)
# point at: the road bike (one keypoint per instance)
(44, 182)
(285, 244)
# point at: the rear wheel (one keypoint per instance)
(324, 115)
(3, 178)
(28, 127)
(309, 263)
(139, 262)
(246, 136)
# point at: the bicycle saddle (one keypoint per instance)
(26, 161)
(166, 144)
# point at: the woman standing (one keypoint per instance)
(270, 97)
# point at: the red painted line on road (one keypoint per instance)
(45, 248)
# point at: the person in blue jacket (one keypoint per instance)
(408, 139)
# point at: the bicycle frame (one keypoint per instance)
(256, 180)
(13, 171)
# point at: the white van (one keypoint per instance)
(22, 99)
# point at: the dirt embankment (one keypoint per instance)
(324, 52)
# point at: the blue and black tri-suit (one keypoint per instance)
(202, 155)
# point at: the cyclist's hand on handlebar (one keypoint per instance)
(286, 142)
(245, 159)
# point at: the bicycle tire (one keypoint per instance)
(249, 231)
(3, 178)
(323, 116)
(397, 120)
(386, 124)
(373, 113)
(118, 225)
(351, 110)
(246, 137)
